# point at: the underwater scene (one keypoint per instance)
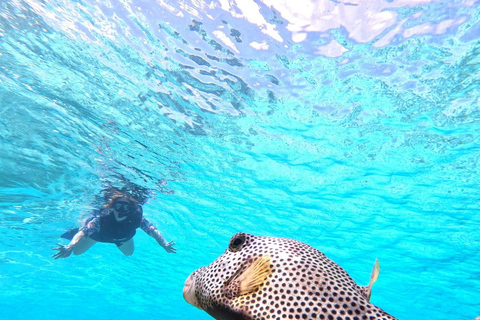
(144, 139)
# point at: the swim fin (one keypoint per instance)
(70, 234)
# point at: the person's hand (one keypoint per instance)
(63, 251)
(169, 247)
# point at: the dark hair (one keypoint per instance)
(117, 195)
(139, 194)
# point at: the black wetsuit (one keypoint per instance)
(107, 229)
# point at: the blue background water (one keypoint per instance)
(351, 126)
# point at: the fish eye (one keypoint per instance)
(236, 243)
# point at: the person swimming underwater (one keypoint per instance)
(115, 223)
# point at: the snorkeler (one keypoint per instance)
(115, 223)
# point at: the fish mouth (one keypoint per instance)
(189, 291)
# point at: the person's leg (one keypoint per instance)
(83, 245)
(127, 247)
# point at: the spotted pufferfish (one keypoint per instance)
(269, 278)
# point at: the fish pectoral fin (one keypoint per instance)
(251, 279)
(255, 275)
(373, 278)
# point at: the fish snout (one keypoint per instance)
(189, 291)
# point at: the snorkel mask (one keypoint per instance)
(123, 206)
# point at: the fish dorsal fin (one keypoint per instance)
(373, 278)
(251, 279)
(375, 273)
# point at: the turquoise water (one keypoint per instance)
(351, 126)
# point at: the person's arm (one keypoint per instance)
(154, 233)
(66, 251)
